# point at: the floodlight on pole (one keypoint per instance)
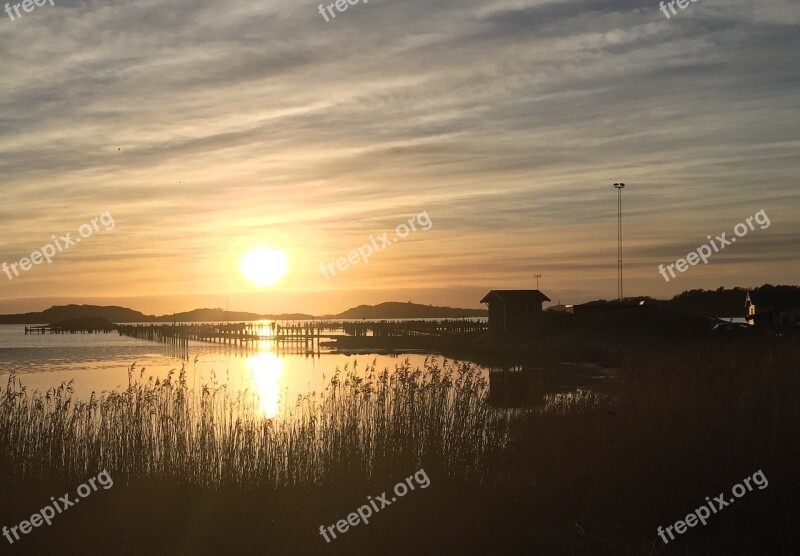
(619, 187)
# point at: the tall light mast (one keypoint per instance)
(619, 187)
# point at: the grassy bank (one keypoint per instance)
(591, 473)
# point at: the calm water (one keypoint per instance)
(98, 362)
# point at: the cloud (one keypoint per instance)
(206, 128)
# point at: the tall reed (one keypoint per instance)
(364, 424)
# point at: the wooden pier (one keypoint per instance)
(85, 325)
(296, 337)
(305, 336)
(51, 329)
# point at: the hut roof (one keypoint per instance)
(516, 296)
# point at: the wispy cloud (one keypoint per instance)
(206, 127)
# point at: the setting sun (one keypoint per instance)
(264, 267)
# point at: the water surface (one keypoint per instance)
(100, 362)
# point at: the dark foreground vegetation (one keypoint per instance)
(591, 473)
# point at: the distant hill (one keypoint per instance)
(115, 314)
(730, 302)
(396, 310)
(721, 302)
(221, 315)
(61, 313)
(122, 315)
(85, 323)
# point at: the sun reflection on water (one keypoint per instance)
(266, 371)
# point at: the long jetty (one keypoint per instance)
(299, 336)
(245, 335)
(55, 329)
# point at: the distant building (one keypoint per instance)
(782, 317)
(750, 309)
(513, 310)
(559, 308)
(782, 320)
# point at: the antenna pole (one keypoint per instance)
(619, 187)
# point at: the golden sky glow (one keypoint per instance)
(207, 132)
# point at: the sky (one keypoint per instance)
(206, 130)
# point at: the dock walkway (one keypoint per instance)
(306, 335)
